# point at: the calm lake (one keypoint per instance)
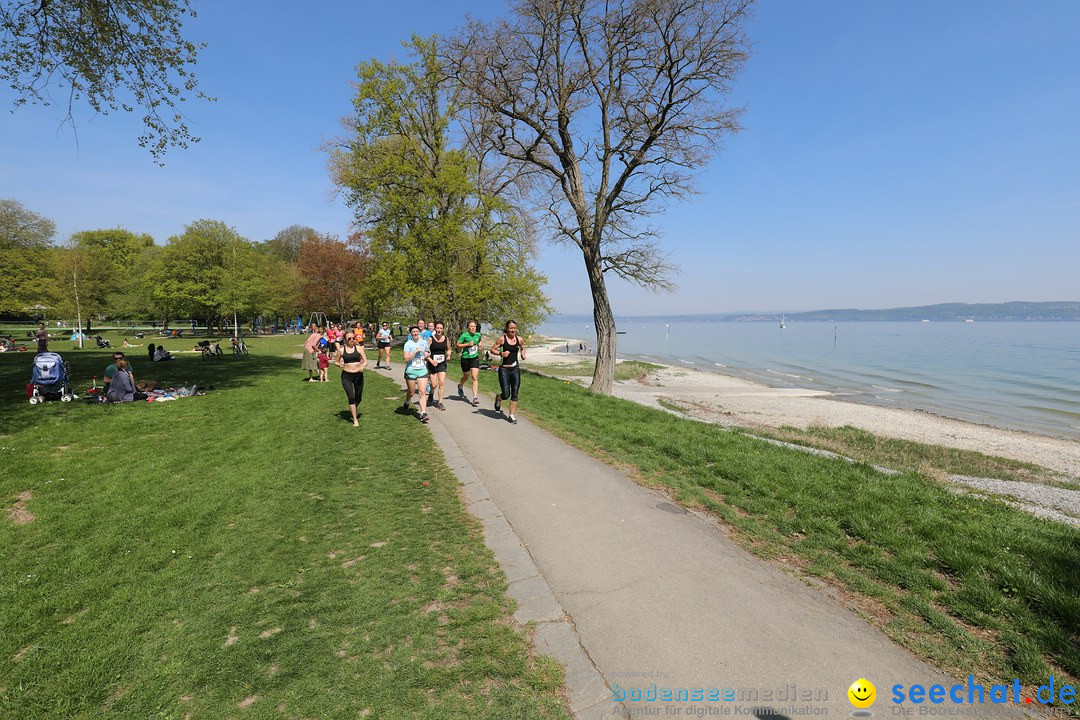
(1019, 375)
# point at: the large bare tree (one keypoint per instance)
(615, 103)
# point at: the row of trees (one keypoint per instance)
(211, 273)
(207, 272)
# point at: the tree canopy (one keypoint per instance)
(112, 54)
(438, 239)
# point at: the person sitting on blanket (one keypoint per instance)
(122, 388)
(111, 370)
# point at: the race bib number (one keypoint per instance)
(436, 359)
(417, 360)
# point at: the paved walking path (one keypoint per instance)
(655, 594)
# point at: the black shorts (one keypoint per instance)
(440, 368)
(468, 364)
(383, 344)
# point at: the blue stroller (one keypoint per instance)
(50, 379)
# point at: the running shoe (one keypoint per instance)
(498, 403)
(476, 402)
(406, 405)
(424, 418)
(440, 406)
(460, 391)
(513, 420)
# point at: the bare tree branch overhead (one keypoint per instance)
(112, 54)
(610, 106)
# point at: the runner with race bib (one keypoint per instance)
(416, 373)
(438, 354)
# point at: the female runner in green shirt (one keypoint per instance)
(470, 343)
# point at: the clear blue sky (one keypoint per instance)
(894, 153)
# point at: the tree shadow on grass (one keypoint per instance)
(187, 369)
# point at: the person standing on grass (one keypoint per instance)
(352, 361)
(416, 374)
(42, 336)
(511, 349)
(309, 362)
(470, 342)
(438, 354)
(383, 340)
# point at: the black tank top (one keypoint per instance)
(439, 347)
(350, 357)
(511, 359)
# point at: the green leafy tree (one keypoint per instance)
(26, 266)
(440, 239)
(23, 229)
(110, 257)
(83, 280)
(286, 244)
(114, 54)
(202, 273)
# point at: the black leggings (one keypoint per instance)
(509, 382)
(353, 382)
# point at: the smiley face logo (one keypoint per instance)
(862, 693)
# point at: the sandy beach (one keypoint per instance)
(728, 400)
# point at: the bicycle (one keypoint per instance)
(239, 347)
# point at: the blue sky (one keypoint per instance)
(894, 153)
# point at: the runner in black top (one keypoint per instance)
(438, 353)
(352, 361)
(512, 349)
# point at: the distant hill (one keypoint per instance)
(945, 312)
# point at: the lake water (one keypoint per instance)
(1019, 375)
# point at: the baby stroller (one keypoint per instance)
(50, 379)
(102, 342)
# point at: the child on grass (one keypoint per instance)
(324, 364)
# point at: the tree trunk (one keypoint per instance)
(604, 321)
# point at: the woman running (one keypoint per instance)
(382, 340)
(416, 374)
(439, 347)
(470, 343)
(511, 349)
(352, 361)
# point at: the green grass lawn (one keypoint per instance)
(970, 584)
(247, 553)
